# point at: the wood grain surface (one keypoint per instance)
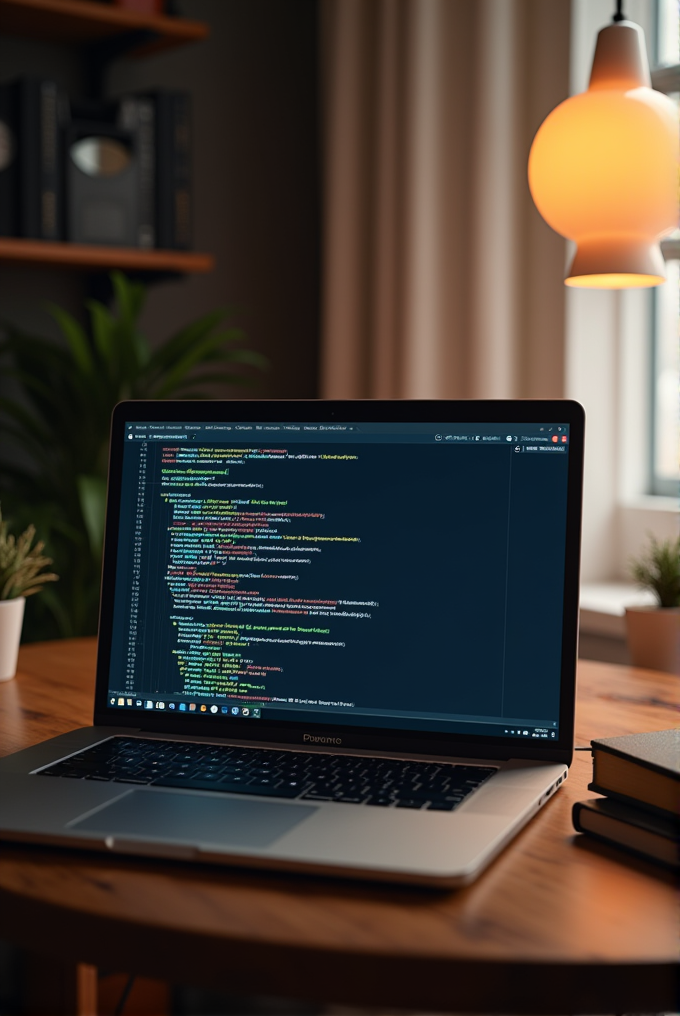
(557, 924)
(81, 21)
(95, 257)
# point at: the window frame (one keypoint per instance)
(608, 369)
(665, 79)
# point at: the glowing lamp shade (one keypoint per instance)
(603, 168)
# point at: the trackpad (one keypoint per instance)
(190, 818)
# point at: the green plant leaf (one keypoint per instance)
(61, 427)
(52, 600)
(32, 425)
(202, 351)
(659, 570)
(75, 336)
(182, 341)
(130, 296)
(103, 332)
(92, 493)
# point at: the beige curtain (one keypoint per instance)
(440, 278)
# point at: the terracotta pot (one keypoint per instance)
(654, 637)
(11, 620)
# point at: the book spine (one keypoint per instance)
(50, 163)
(8, 163)
(647, 848)
(40, 160)
(29, 157)
(163, 170)
(173, 170)
(615, 795)
(182, 182)
(147, 160)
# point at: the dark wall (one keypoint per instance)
(256, 193)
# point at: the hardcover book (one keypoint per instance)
(641, 832)
(33, 112)
(9, 181)
(173, 170)
(110, 172)
(642, 769)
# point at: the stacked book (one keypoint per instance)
(112, 172)
(639, 774)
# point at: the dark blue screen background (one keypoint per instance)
(461, 548)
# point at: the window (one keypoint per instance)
(610, 338)
(665, 468)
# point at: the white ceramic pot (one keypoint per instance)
(11, 620)
(654, 637)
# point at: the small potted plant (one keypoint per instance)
(654, 632)
(21, 574)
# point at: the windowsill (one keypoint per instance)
(603, 606)
(653, 502)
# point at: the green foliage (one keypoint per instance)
(21, 565)
(59, 426)
(659, 570)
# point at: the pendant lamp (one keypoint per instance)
(603, 167)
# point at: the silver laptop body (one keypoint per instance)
(384, 593)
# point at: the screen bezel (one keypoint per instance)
(291, 732)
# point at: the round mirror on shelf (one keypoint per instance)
(99, 156)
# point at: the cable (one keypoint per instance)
(619, 16)
(583, 747)
(124, 997)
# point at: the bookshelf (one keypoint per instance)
(99, 258)
(104, 32)
(83, 22)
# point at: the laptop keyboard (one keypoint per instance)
(348, 779)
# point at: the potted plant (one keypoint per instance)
(55, 414)
(654, 632)
(21, 575)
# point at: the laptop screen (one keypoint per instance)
(358, 574)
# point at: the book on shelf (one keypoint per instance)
(107, 172)
(32, 111)
(173, 170)
(9, 178)
(637, 830)
(640, 769)
(110, 172)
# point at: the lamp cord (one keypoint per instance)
(124, 996)
(619, 16)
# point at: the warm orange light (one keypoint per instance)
(603, 168)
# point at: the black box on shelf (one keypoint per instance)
(32, 113)
(110, 170)
(174, 215)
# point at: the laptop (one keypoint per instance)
(335, 638)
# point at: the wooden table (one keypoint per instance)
(556, 925)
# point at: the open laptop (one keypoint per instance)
(335, 637)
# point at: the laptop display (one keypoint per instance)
(342, 573)
(335, 637)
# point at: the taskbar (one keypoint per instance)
(533, 730)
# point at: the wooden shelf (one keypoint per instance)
(86, 21)
(75, 255)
